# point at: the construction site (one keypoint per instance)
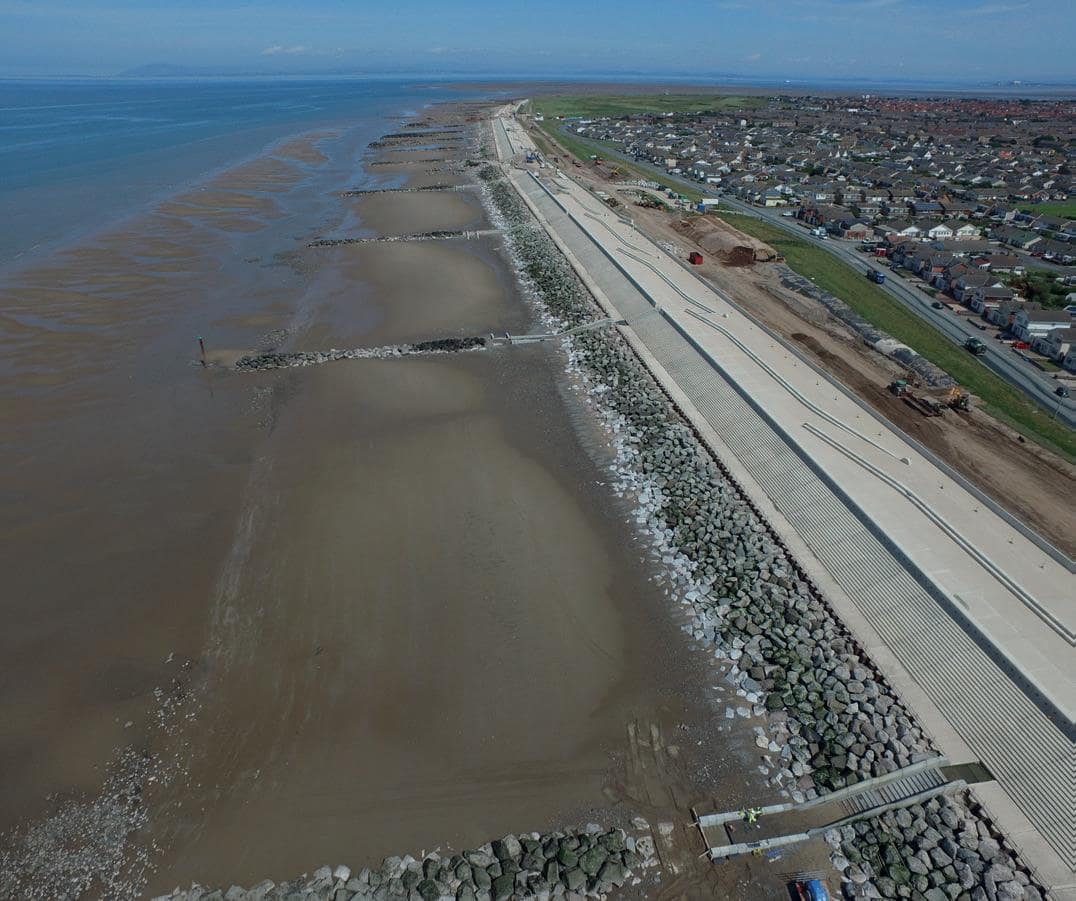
(1032, 482)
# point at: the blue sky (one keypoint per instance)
(965, 40)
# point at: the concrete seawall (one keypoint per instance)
(1001, 807)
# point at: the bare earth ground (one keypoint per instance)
(1032, 483)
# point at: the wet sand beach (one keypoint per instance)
(438, 289)
(353, 610)
(447, 653)
(397, 214)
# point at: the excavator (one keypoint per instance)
(958, 400)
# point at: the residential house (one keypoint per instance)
(1004, 314)
(985, 298)
(1055, 344)
(964, 282)
(958, 209)
(854, 229)
(815, 191)
(774, 197)
(925, 208)
(1056, 251)
(1030, 323)
(867, 209)
(821, 214)
(934, 264)
(905, 229)
(1005, 262)
(1015, 237)
(1048, 224)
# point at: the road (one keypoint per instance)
(1033, 382)
(999, 358)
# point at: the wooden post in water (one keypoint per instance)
(201, 344)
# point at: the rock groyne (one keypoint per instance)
(299, 359)
(443, 235)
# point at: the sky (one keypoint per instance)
(880, 40)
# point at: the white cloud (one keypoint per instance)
(998, 9)
(293, 50)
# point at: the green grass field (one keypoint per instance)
(1065, 209)
(998, 397)
(629, 104)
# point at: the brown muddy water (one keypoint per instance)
(366, 608)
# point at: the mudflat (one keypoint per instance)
(411, 291)
(433, 636)
(398, 213)
(340, 612)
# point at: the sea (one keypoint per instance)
(78, 155)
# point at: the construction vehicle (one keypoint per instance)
(975, 346)
(925, 405)
(958, 400)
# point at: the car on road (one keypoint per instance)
(938, 305)
(1062, 390)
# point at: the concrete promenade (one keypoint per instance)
(970, 618)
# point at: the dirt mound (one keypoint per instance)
(720, 240)
(739, 256)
